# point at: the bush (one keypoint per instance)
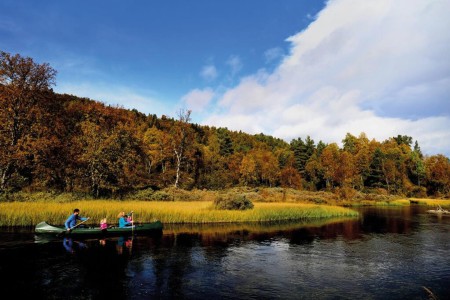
(417, 191)
(161, 196)
(145, 194)
(233, 203)
(345, 193)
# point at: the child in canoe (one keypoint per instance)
(103, 225)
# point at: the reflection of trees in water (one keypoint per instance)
(169, 265)
(183, 258)
(172, 263)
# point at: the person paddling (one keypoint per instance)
(71, 221)
(123, 222)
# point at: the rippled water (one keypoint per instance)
(384, 254)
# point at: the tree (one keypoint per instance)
(438, 174)
(403, 139)
(330, 164)
(350, 143)
(23, 84)
(346, 173)
(267, 167)
(180, 140)
(416, 168)
(289, 177)
(376, 169)
(314, 173)
(302, 152)
(157, 148)
(226, 144)
(248, 170)
(362, 161)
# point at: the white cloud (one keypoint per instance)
(273, 54)
(379, 67)
(197, 100)
(235, 64)
(209, 72)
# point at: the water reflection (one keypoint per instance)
(68, 245)
(386, 253)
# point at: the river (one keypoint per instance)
(386, 253)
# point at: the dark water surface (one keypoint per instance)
(387, 253)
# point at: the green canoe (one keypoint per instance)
(44, 228)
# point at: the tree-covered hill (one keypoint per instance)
(59, 142)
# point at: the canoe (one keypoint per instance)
(44, 228)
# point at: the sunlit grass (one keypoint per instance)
(31, 213)
(374, 203)
(423, 201)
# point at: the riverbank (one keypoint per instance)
(254, 194)
(175, 206)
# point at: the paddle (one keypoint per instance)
(65, 231)
(132, 225)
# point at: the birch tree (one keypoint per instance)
(180, 141)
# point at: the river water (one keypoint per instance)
(386, 253)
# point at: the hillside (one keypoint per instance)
(63, 143)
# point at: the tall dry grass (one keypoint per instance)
(31, 213)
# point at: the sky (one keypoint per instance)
(290, 68)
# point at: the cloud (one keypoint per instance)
(379, 67)
(235, 64)
(209, 72)
(197, 100)
(273, 54)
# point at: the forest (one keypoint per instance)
(64, 143)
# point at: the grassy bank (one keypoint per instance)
(254, 194)
(31, 213)
(421, 201)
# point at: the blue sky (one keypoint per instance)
(286, 68)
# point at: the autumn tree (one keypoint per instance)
(330, 164)
(23, 84)
(158, 149)
(437, 175)
(248, 170)
(267, 167)
(314, 173)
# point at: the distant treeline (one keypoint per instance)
(63, 143)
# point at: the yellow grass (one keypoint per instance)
(423, 201)
(31, 213)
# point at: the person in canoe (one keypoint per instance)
(123, 222)
(71, 221)
(103, 225)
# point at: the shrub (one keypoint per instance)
(233, 203)
(345, 193)
(145, 194)
(161, 196)
(417, 191)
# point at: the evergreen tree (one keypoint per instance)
(376, 173)
(302, 152)
(226, 144)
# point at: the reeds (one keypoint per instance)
(426, 202)
(31, 213)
